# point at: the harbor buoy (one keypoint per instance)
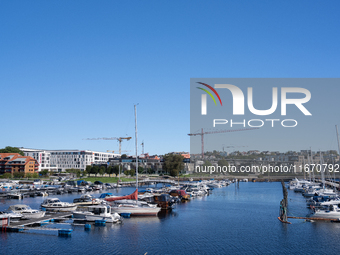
(100, 222)
(64, 232)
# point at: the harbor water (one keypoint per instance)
(237, 219)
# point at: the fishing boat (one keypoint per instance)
(55, 205)
(26, 211)
(97, 212)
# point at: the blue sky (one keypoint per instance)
(74, 69)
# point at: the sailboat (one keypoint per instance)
(130, 204)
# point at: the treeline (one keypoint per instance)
(101, 170)
(20, 175)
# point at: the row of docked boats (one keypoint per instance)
(107, 207)
(15, 190)
(323, 202)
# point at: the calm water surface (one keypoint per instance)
(238, 220)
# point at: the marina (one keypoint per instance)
(209, 223)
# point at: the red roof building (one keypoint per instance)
(15, 163)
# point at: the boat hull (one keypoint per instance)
(136, 211)
(36, 215)
(60, 209)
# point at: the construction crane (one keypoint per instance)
(114, 151)
(119, 139)
(216, 132)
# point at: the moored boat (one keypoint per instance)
(26, 211)
(333, 212)
(87, 199)
(97, 212)
(55, 205)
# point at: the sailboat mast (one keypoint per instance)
(136, 147)
(322, 171)
(337, 137)
(311, 159)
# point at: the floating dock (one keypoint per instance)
(18, 226)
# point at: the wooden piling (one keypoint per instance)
(284, 205)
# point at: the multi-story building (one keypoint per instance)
(60, 160)
(15, 163)
(42, 156)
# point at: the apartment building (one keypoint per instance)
(15, 163)
(60, 160)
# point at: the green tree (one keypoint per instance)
(6, 175)
(109, 170)
(207, 163)
(130, 172)
(74, 171)
(35, 175)
(223, 162)
(102, 170)
(140, 169)
(173, 164)
(333, 152)
(88, 168)
(116, 170)
(95, 170)
(123, 156)
(19, 175)
(9, 149)
(28, 175)
(44, 172)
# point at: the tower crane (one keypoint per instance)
(216, 132)
(119, 139)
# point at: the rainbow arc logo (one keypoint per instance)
(204, 97)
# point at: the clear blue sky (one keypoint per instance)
(74, 69)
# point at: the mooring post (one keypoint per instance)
(284, 204)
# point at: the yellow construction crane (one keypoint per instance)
(119, 139)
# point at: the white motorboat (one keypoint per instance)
(26, 211)
(87, 199)
(332, 213)
(135, 208)
(55, 205)
(14, 195)
(310, 192)
(97, 212)
(13, 216)
(214, 185)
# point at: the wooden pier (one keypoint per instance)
(313, 218)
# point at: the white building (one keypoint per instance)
(42, 156)
(60, 160)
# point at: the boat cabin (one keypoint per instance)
(99, 210)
